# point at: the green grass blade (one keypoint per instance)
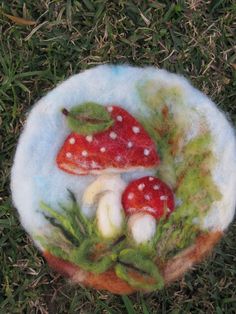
(128, 304)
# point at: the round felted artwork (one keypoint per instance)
(125, 177)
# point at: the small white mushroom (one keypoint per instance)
(103, 197)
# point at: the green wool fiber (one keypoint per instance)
(88, 118)
(185, 166)
(131, 259)
(82, 257)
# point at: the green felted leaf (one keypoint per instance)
(133, 259)
(88, 118)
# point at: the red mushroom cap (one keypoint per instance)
(125, 145)
(149, 195)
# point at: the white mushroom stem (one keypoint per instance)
(110, 215)
(103, 196)
(142, 227)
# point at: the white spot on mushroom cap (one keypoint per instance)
(84, 153)
(136, 129)
(89, 138)
(130, 196)
(146, 152)
(141, 186)
(113, 135)
(130, 144)
(72, 140)
(94, 164)
(102, 149)
(163, 197)
(156, 187)
(68, 155)
(119, 118)
(147, 197)
(150, 178)
(118, 158)
(148, 209)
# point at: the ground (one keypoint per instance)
(195, 38)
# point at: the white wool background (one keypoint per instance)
(35, 176)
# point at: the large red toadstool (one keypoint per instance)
(123, 146)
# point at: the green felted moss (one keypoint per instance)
(156, 97)
(92, 253)
(82, 256)
(185, 166)
(67, 224)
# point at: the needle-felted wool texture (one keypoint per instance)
(125, 177)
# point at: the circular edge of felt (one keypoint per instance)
(171, 271)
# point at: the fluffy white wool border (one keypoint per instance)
(35, 176)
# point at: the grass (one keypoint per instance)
(194, 38)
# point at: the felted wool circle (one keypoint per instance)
(92, 138)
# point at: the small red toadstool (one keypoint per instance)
(146, 200)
